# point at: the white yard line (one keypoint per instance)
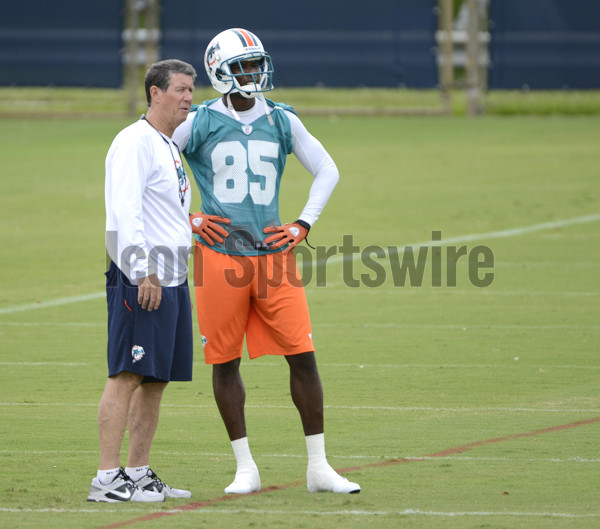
(339, 288)
(52, 303)
(513, 364)
(449, 327)
(501, 234)
(52, 324)
(351, 513)
(374, 457)
(462, 327)
(44, 364)
(406, 512)
(331, 407)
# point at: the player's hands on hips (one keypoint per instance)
(206, 226)
(292, 234)
(149, 292)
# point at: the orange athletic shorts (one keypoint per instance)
(260, 296)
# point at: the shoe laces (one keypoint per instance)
(156, 480)
(125, 477)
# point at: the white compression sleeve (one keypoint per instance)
(317, 161)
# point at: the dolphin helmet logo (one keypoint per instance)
(212, 55)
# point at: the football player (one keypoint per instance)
(246, 280)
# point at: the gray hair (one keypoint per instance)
(159, 74)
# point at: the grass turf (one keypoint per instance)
(413, 376)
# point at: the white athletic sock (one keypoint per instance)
(137, 473)
(315, 445)
(320, 476)
(247, 478)
(241, 450)
(107, 476)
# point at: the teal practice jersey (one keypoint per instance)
(238, 169)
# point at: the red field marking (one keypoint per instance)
(450, 451)
(197, 505)
(469, 446)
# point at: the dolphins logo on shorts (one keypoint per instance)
(137, 353)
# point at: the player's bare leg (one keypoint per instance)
(307, 394)
(230, 396)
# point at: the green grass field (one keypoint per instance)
(453, 406)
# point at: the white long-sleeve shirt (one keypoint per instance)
(147, 198)
(309, 151)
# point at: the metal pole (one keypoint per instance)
(152, 30)
(447, 49)
(472, 67)
(132, 56)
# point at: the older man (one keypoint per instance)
(148, 236)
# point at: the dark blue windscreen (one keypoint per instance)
(62, 42)
(545, 44)
(375, 43)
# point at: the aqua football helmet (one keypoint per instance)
(232, 48)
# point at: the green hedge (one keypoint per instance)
(29, 102)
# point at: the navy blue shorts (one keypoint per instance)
(156, 344)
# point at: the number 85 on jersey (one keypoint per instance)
(231, 161)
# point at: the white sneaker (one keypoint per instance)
(324, 479)
(247, 480)
(121, 489)
(152, 483)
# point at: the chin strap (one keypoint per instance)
(230, 107)
(267, 109)
(259, 96)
